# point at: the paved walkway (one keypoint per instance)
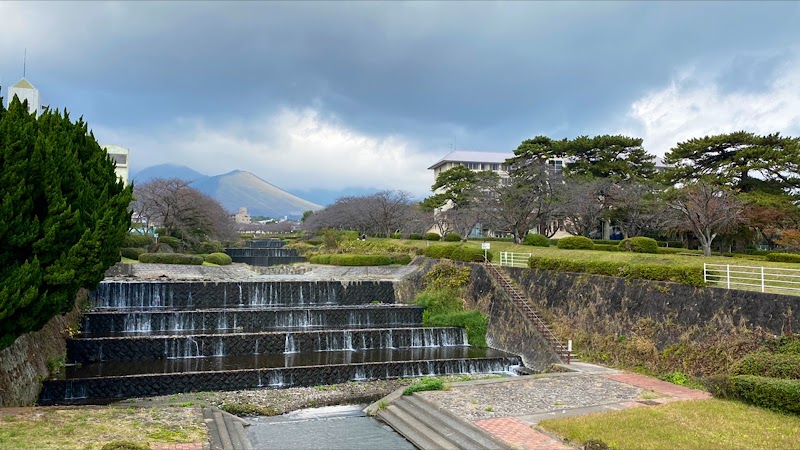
(510, 408)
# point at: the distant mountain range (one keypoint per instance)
(235, 190)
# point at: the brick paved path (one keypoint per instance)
(520, 434)
(674, 391)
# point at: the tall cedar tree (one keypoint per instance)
(63, 216)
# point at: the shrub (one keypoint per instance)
(692, 276)
(674, 251)
(432, 237)
(171, 258)
(171, 241)
(469, 254)
(424, 384)
(605, 242)
(536, 240)
(446, 274)
(575, 243)
(784, 344)
(415, 237)
(136, 240)
(772, 393)
(360, 260)
(131, 253)
(396, 236)
(764, 364)
(606, 248)
(473, 321)
(720, 386)
(210, 247)
(438, 301)
(439, 251)
(639, 244)
(452, 237)
(221, 259)
(784, 257)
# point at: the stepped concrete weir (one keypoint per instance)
(145, 337)
(264, 252)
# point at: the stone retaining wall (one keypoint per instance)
(24, 364)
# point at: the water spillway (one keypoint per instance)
(264, 252)
(144, 338)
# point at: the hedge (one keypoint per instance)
(575, 243)
(439, 251)
(776, 365)
(396, 236)
(772, 393)
(470, 254)
(452, 237)
(606, 248)
(171, 258)
(360, 260)
(432, 237)
(415, 236)
(639, 244)
(536, 240)
(606, 241)
(132, 252)
(221, 259)
(136, 240)
(784, 257)
(692, 276)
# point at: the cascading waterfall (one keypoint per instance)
(289, 346)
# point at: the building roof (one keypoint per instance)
(23, 84)
(479, 157)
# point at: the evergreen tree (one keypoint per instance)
(63, 215)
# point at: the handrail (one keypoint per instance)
(758, 277)
(540, 325)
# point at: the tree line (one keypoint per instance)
(740, 187)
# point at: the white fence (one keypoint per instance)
(763, 279)
(514, 259)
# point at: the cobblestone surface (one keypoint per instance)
(527, 396)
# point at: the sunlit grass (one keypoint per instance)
(91, 428)
(697, 424)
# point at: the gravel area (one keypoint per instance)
(529, 395)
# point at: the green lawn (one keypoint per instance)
(641, 258)
(697, 424)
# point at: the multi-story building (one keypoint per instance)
(120, 156)
(24, 90)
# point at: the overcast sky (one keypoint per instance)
(328, 98)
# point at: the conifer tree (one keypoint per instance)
(63, 215)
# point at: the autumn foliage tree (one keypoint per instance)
(63, 216)
(705, 209)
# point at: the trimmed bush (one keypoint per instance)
(171, 241)
(439, 251)
(415, 237)
(424, 384)
(606, 248)
(171, 258)
(772, 393)
(536, 240)
(575, 243)
(131, 252)
(396, 236)
(692, 276)
(218, 258)
(136, 240)
(360, 260)
(432, 237)
(639, 244)
(452, 237)
(784, 344)
(775, 365)
(784, 257)
(675, 251)
(210, 247)
(469, 254)
(606, 241)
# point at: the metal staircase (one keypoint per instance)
(522, 303)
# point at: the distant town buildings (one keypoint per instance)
(120, 156)
(24, 90)
(242, 216)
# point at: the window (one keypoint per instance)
(121, 160)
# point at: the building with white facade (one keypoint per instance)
(120, 156)
(24, 90)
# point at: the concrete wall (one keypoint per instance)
(24, 365)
